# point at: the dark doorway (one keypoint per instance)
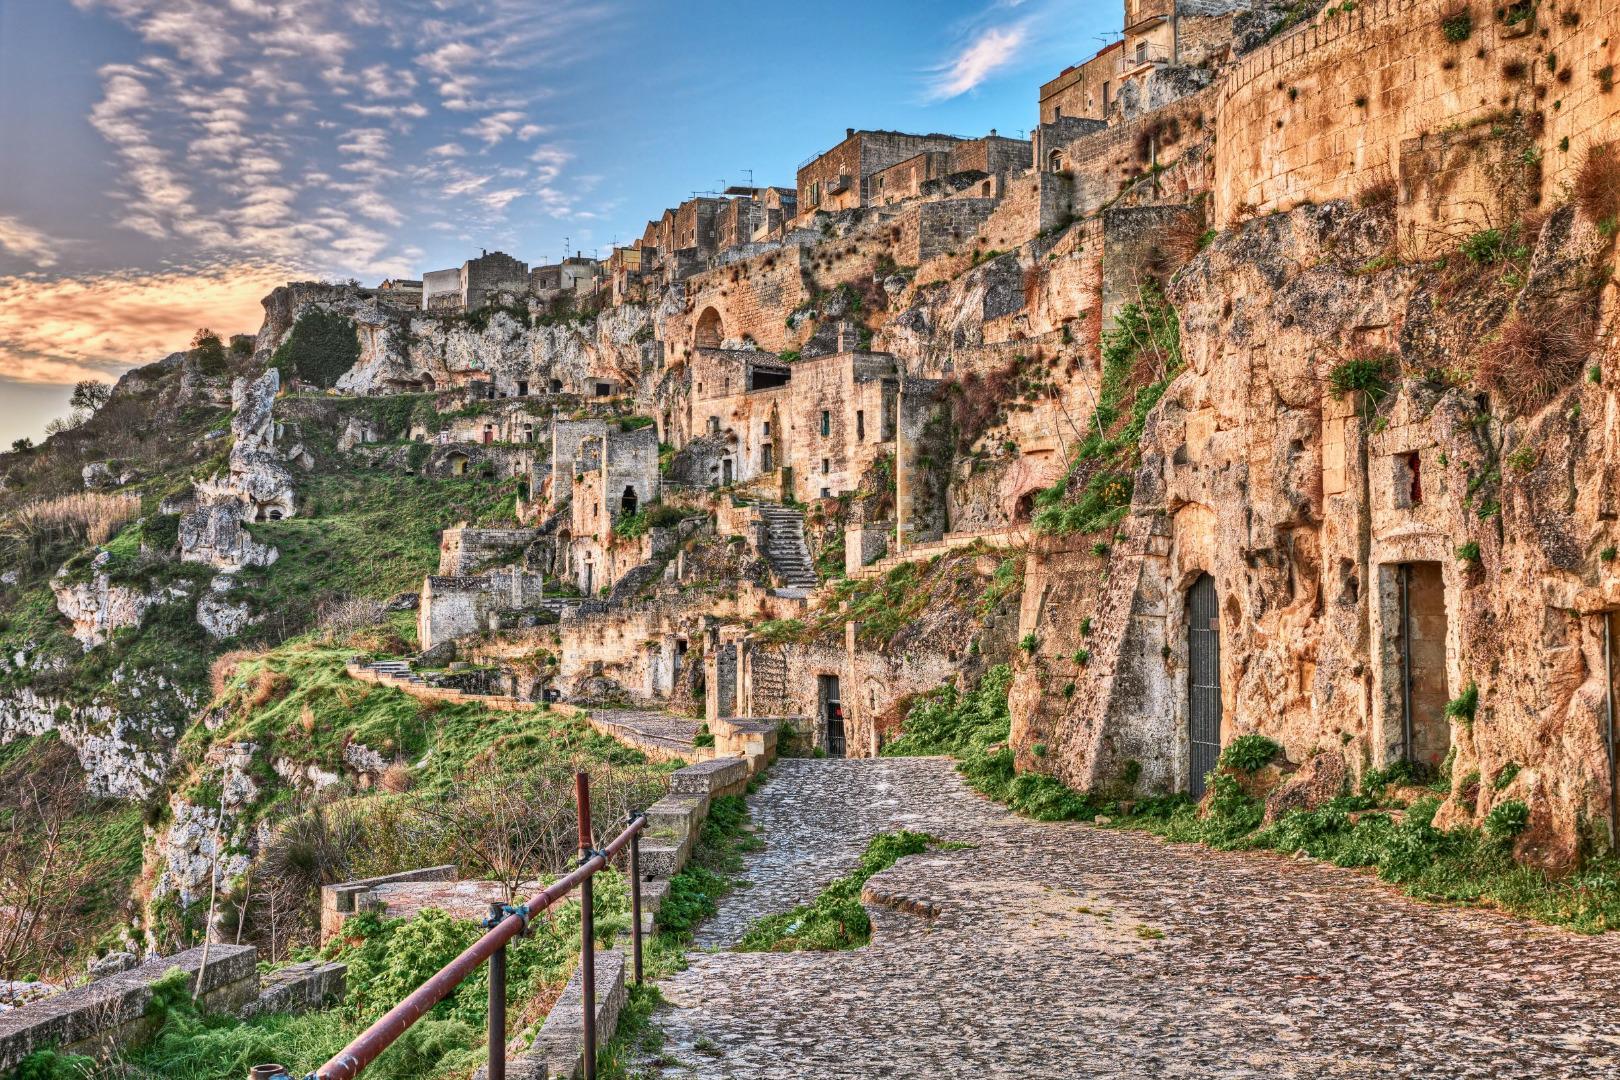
(627, 501)
(725, 472)
(1203, 683)
(832, 713)
(1421, 649)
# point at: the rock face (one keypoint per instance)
(1331, 525)
(221, 617)
(97, 608)
(257, 487)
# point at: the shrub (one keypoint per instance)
(1607, 554)
(1504, 776)
(322, 347)
(1533, 356)
(1028, 643)
(1462, 707)
(1597, 184)
(1468, 552)
(1364, 375)
(1246, 753)
(1378, 190)
(1507, 819)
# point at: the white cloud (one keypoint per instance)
(27, 242)
(495, 127)
(994, 48)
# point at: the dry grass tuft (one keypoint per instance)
(1597, 185)
(267, 686)
(86, 517)
(397, 778)
(223, 669)
(1533, 356)
(1378, 190)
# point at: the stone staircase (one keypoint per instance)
(768, 677)
(786, 550)
(996, 539)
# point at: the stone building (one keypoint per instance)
(441, 290)
(838, 179)
(469, 286)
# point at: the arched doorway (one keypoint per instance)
(709, 331)
(627, 501)
(458, 464)
(1203, 682)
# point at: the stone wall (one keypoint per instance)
(1324, 110)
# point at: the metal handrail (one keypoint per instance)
(508, 923)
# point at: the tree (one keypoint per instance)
(22, 446)
(89, 395)
(208, 351)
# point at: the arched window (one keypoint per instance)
(1054, 162)
(628, 501)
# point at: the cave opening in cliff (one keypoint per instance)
(1423, 737)
(1203, 683)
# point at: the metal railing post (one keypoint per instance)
(635, 900)
(497, 1002)
(587, 927)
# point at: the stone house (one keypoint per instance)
(839, 178)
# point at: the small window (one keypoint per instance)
(826, 466)
(860, 425)
(604, 389)
(523, 389)
(826, 423)
(556, 386)
(766, 429)
(826, 493)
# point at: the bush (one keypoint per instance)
(1507, 819)
(1462, 707)
(321, 348)
(1246, 753)
(1364, 375)
(947, 722)
(1457, 26)
(1534, 355)
(1597, 185)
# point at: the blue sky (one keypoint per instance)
(168, 161)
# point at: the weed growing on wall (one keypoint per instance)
(1141, 353)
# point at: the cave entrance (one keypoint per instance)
(1424, 737)
(831, 710)
(1203, 683)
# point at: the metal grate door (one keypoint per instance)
(1203, 682)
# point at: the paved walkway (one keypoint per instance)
(659, 735)
(1065, 951)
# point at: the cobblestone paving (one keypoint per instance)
(1061, 950)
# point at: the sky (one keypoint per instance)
(166, 163)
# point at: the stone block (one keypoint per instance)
(721, 776)
(558, 1049)
(298, 987)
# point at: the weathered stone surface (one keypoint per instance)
(1062, 950)
(1320, 780)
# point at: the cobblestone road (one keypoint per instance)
(1046, 959)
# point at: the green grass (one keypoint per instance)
(710, 874)
(835, 919)
(387, 959)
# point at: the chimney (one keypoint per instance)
(992, 133)
(849, 133)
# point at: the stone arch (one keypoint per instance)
(1054, 161)
(709, 331)
(628, 502)
(458, 464)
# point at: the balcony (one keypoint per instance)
(1142, 55)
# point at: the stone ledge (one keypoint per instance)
(298, 987)
(558, 1049)
(112, 1011)
(719, 776)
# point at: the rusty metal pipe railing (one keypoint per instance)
(369, 1044)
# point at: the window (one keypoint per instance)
(766, 429)
(826, 493)
(714, 425)
(556, 386)
(826, 466)
(860, 425)
(826, 423)
(767, 460)
(523, 389)
(604, 389)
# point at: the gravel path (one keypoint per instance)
(1058, 950)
